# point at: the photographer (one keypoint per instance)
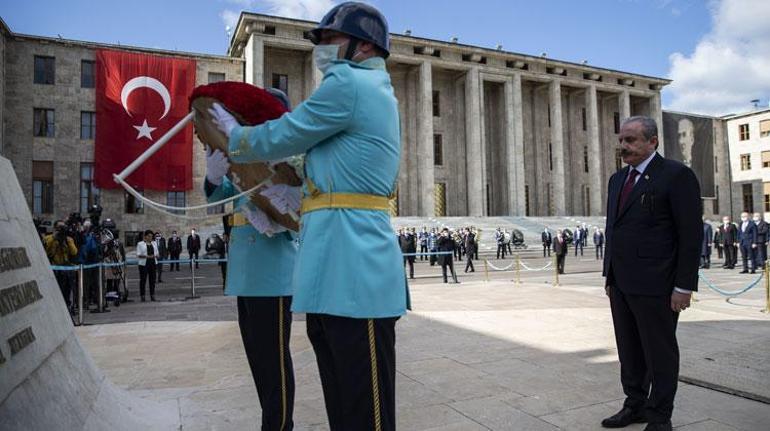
(60, 250)
(90, 253)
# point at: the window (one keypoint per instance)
(176, 199)
(133, 205)
(550, 156)
(42, 187)
(766, 190)
(585, 123)
(549, 202)
(216, 77)
(89, 193)
(436, 104)
(549, 115)
(616, 121)
(219, 209)
(526, 200)
(715, 202)
(745, 162)
(45, 70)
(87, 74)
(87, 125)
(132, 238)
(588, 201)
(43, 123)
(618, 160)
(438, 151)
(585, 158)
(716, 165)
(764, 128)
(281, 82)
(766, 159)
(743, 131)
(748, 198)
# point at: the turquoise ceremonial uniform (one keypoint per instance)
(257, 265)
(348, 263)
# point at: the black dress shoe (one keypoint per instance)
(152, 298)
(624, 418)
(143, 299)
(658, 426)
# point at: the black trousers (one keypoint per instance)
(719, 251)
(705, 259)
(747, 255)
(64, 279)
(599, 252)
(579, 245)
(760, 255)
(729, 256)
(265, 324)
(448, 262)
(500, 248)
(546, 249)
(560, 258)
(223, 269)
(645, 333)
(734, 255)
(145, 272)
(172, 266)
(423, 249)
(469, 263)
(410, 261)
(193, 255)
(357, 364)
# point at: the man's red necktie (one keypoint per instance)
(627, 188)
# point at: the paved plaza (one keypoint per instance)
(479, 355)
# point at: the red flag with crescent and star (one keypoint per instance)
(139, 97)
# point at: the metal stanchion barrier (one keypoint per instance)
(100, 302)
(486, 270)
(192, 280)
(80, 294)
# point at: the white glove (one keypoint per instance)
(217, 166)
(223, 120)
(262, 222)
(284, 198)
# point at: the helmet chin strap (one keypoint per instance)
(350, 52)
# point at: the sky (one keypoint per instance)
(716, 51)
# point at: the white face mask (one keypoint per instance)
(756, 219)
(324, 56)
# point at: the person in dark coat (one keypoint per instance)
(193, 246)
(407, 240)
(470, 249)
(446, 243)
(162, 254)
(729, 234)
(654, 235)
(174, 250)
(760, 251)
(560, 247)
(747, 238)
(546, 238)
(705, 253)
(718, 242)
(599, 243)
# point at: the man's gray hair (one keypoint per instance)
(649, 126)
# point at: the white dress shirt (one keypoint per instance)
(141, 250)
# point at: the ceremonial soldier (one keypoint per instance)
(353, 295)
(259, 272)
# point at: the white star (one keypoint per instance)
(144, 131)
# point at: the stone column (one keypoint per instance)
(514, 139)
(656, 112)
(425, 174)
(255, 60)
(557, 145)
(474, 160)
(624, 105)
(594, 152)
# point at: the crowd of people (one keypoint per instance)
(578, 238)
(750, 237)
(439, 246)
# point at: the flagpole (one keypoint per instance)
(154, 148)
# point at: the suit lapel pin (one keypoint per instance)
(647, 177)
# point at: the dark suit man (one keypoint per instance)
(760, 252)
(445, 243)
(653, 240)
(174, 250)
(162, 254)
(546, 238)
(423, 237)
(578, 240)
(560, 249)
(718, 242)
(729, 235)
(747, 238)
(193, 246)
(470, 249)
(599, 243)
(408, 242)
(705, 253)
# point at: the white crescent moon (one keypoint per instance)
(151, 83)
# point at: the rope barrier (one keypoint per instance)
(130, 263)
(500, 269)
(711, 286)
(547, 265)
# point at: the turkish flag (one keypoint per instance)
(139, 97)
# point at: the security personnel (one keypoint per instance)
(353, 295)
(259, 271)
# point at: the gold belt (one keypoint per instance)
(238, 219)
(359, 201)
